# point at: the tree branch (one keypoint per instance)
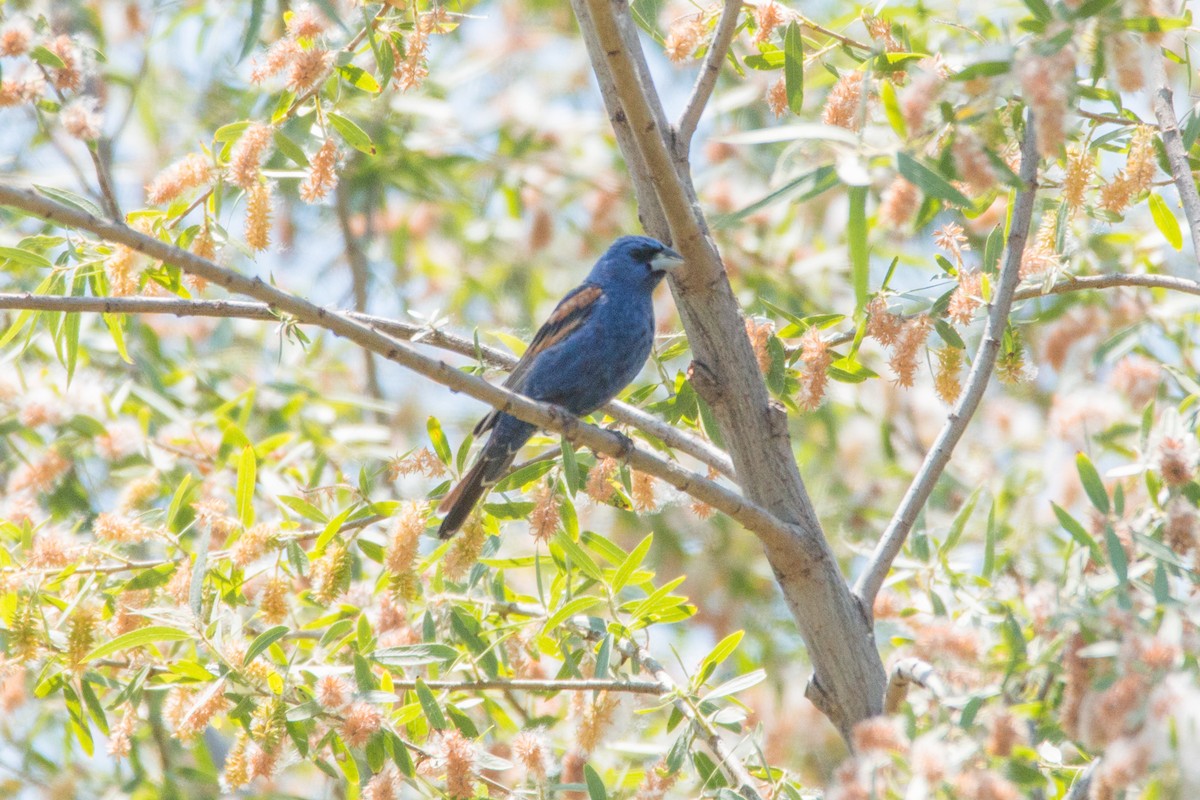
(849, 679)
(669, 435)
(543, 415)
(528, 685)
(706, 81)
(938, 457)
(906, 672)
(1181, 171)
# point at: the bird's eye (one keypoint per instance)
(644, 254)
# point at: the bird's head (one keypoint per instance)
(639, 260)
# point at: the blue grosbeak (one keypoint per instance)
(591, 347)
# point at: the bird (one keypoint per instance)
(592, 345)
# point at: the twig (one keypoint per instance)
(1181, 171)
(101, 152)
(360, 275)
(769, 528)
(624, 413)
(838, 37)
(529, 685)
(938, 457)
(1066, 285)
(706, 81)
(1111, 119)
(906, 672)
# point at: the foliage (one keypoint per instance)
(215, 574)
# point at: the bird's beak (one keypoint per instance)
(666, 261)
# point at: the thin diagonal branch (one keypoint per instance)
(1181, 171)
(544, 415)
(938, 457)
(706, 81)
(624, 413)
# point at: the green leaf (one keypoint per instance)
(718, 654)
(137, 638)
(570, 467)
(178, 500)
(793, 67)
(437, 437)
(930, 182)
(568, 610)
(1167, 224)
(891, 108)
(579, 556)
(303, 508)
(331, 529)
(246, 476)
(856, 239)
(960, 521)
(429, 704)
(415, 655)
(1078, 532)
(149, 578)
(1092, 483)
(631, 563)
(1116, 555)
(989, 544)
(799, 190)
(264, 640)
(289, 148)
(25, 257)
(595, 786)
(982, 69)
(230, 132)
(47, 57)
(253, 26)
(70, 199)
(737, 684)
(359, 78)
(355, 136)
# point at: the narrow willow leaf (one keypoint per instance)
(793, 67)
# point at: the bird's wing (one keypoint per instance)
(568, 316)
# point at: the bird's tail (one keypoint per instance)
(458, 504)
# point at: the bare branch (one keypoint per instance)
(669, 435)
(938, 457)
(905, 673)
(1181, 171)
(529, 685)
(710, 70)
(544, 415)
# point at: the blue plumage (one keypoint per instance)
(594, 343)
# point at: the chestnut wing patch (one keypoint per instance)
(571, 312)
